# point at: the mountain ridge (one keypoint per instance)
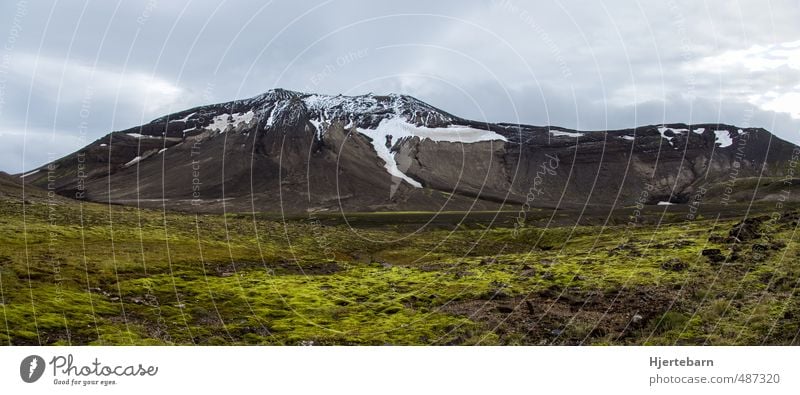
(395, 152)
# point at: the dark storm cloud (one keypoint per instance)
(74, 71)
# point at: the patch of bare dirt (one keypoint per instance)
(573, 317)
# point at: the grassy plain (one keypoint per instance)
(87, 273)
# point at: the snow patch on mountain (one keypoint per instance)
(222, 122)
(663, 130)
(366, 111)
(319, 125)
(558, 133)
(243, 118)
(29, 174)
(184, 119)
(391, 130)
(219, 123)
(390, 164)
(723, 138)
(342, 107)
(284, 113)
(133, 161)
(332, 107)
(141, 136)
(399, 127)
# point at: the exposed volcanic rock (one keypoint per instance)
(296, 152)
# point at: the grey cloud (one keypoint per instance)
(592, 65)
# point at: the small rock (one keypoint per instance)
(759, 247)
(714, 255)
(636, 319)
(747, 229)
(675, 265)
(527, 271)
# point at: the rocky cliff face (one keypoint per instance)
(297, 152)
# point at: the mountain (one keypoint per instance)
(296, 152)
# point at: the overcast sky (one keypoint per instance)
(71, 72)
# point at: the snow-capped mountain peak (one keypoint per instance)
(284, 107)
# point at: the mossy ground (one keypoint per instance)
(92, 274)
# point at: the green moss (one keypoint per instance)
(90, 274)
